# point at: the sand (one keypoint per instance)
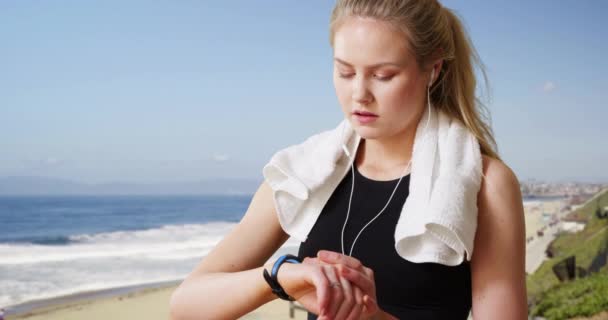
(534, 214)
(149, 304)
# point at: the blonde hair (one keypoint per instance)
(434, 32)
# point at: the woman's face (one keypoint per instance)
(375, 72)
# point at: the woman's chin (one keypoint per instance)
(367, 132)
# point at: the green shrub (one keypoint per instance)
(582, 297)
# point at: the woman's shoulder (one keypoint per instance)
(499, 199)
(497, 174)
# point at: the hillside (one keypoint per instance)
(588, 293)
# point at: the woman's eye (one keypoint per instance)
(383, 78)
(378, 77)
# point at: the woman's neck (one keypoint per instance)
(387, 156)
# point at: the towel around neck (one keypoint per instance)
(438, 220)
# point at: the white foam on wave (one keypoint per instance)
(107, 260)
(186, 241)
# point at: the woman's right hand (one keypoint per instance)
(310, 283)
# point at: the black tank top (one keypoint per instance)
(404, 289)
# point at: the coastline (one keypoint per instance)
(137, 302)
(151, 300)
(47, 305)
(142, 301)
(538, 215)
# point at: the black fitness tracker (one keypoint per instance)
(272, 277)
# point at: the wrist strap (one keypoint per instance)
(271, 278)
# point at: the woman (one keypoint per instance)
(392, 58)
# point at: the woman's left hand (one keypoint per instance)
(353, 270)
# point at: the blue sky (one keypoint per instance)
(150, 91)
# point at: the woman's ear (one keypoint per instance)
(436, 69)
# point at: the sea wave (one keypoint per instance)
(166, 242)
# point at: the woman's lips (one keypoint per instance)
(364, 113)
(365, 117)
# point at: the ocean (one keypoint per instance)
(53, 246)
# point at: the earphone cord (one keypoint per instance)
(372, 220)
(353, 184)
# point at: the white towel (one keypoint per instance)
(439, 218)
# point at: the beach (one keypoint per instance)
(150, 304)
(68, 256)
(538, 213)
(80, 279)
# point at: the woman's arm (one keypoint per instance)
(498, 261)
(228, 282)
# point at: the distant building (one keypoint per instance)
(572, 223)
(575, 207)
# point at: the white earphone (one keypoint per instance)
(432, 77)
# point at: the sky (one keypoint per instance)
(154, 91)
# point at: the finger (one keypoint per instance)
(335, 257)
(358, 296)
(321, 283)
(357, 309)
(348, 300)
(371, 305)
(369, 272)
(356, 313)
(336, 290)
(359, 279)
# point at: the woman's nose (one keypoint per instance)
(361, 93)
